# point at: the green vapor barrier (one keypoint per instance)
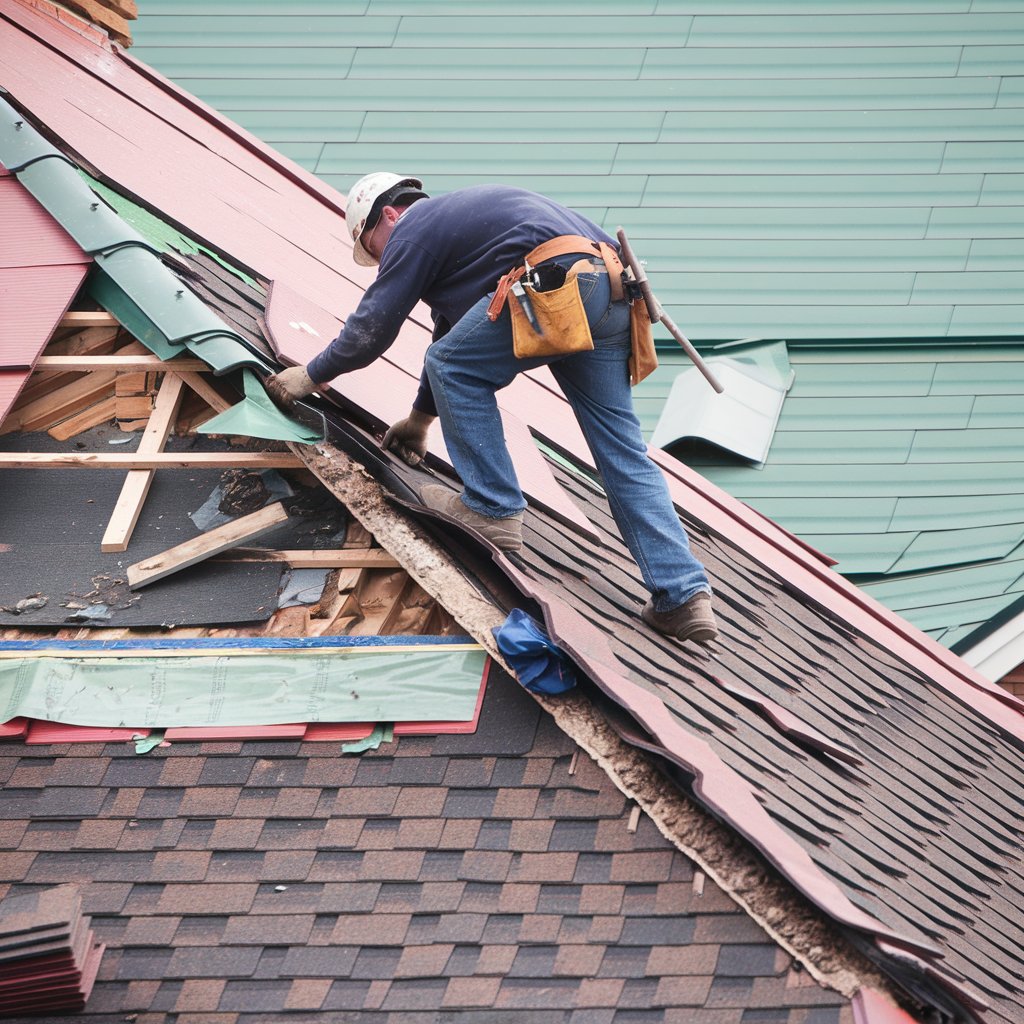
(354, 684)
(257, 416)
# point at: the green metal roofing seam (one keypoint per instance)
(129, 279)
(20, 143)
(162, 236)
(82, 214)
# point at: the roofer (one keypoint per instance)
(450, 251)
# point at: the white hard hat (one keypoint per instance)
(361, 198)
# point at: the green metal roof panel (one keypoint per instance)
(19, 144)
(833, 128)
(863, 553)
(841, 447)
(928, 27)
(732, 62)
(958, 547)
(958, 510)
(83, 215)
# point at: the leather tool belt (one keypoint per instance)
(555, 322)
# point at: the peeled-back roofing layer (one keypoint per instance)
(879, 846)
(41, 269)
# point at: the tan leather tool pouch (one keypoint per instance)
(562, 319)
(643, 360)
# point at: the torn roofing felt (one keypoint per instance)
(871, 768)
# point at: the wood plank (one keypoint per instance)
(60, 404)
(149, 570)
(138, 481)
(373, 558)
(205, 390)
(122, 364)
(96, 414)
(155, 460)
(88, 318)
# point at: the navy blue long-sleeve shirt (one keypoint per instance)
(450, 252)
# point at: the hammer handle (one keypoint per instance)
(658, 315)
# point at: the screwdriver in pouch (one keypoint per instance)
(527, 307)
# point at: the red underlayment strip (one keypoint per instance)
(55, 732)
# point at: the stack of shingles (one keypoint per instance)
(48, 954)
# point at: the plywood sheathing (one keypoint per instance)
(783, 913)
(111, 16)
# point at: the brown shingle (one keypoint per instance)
(688, 990)
(682, 960)
(518, 898)
(235, 834)
(307, 993)
(215, 802)
(340, 834)
(11, 833)
(391, 865)
(295, 803)
(199, 994)
(485, 865)
(471, 992)
(179, 865)
(459, 834)
(268, 930)
(543, 867)
(595, 992)
(181, 771)
(601, 899)
(424, 961)
(647, 866)
(540, 927)
(366, 801)
(376, 994)
(327, 772)
(531, 836)
(419, 833)
(150, 931)
(208, 898)
(370, 929)
(496, 959)
(515, 803)
(578, 960)
(15, 866)
(287, 865)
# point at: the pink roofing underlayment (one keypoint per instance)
(41, 269)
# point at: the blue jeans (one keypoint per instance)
(475, 359)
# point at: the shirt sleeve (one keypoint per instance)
(406, 272)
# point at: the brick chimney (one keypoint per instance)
(110, 17)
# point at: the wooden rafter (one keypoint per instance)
(155, 460)
(206, 545)
(137, 483)
(118, 362)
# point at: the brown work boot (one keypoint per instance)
(506, 534)
(691, 621)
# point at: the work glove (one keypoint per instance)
(408, 438)
(288, 386)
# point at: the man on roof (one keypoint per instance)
(450, 252)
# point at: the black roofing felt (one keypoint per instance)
(922, 833)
